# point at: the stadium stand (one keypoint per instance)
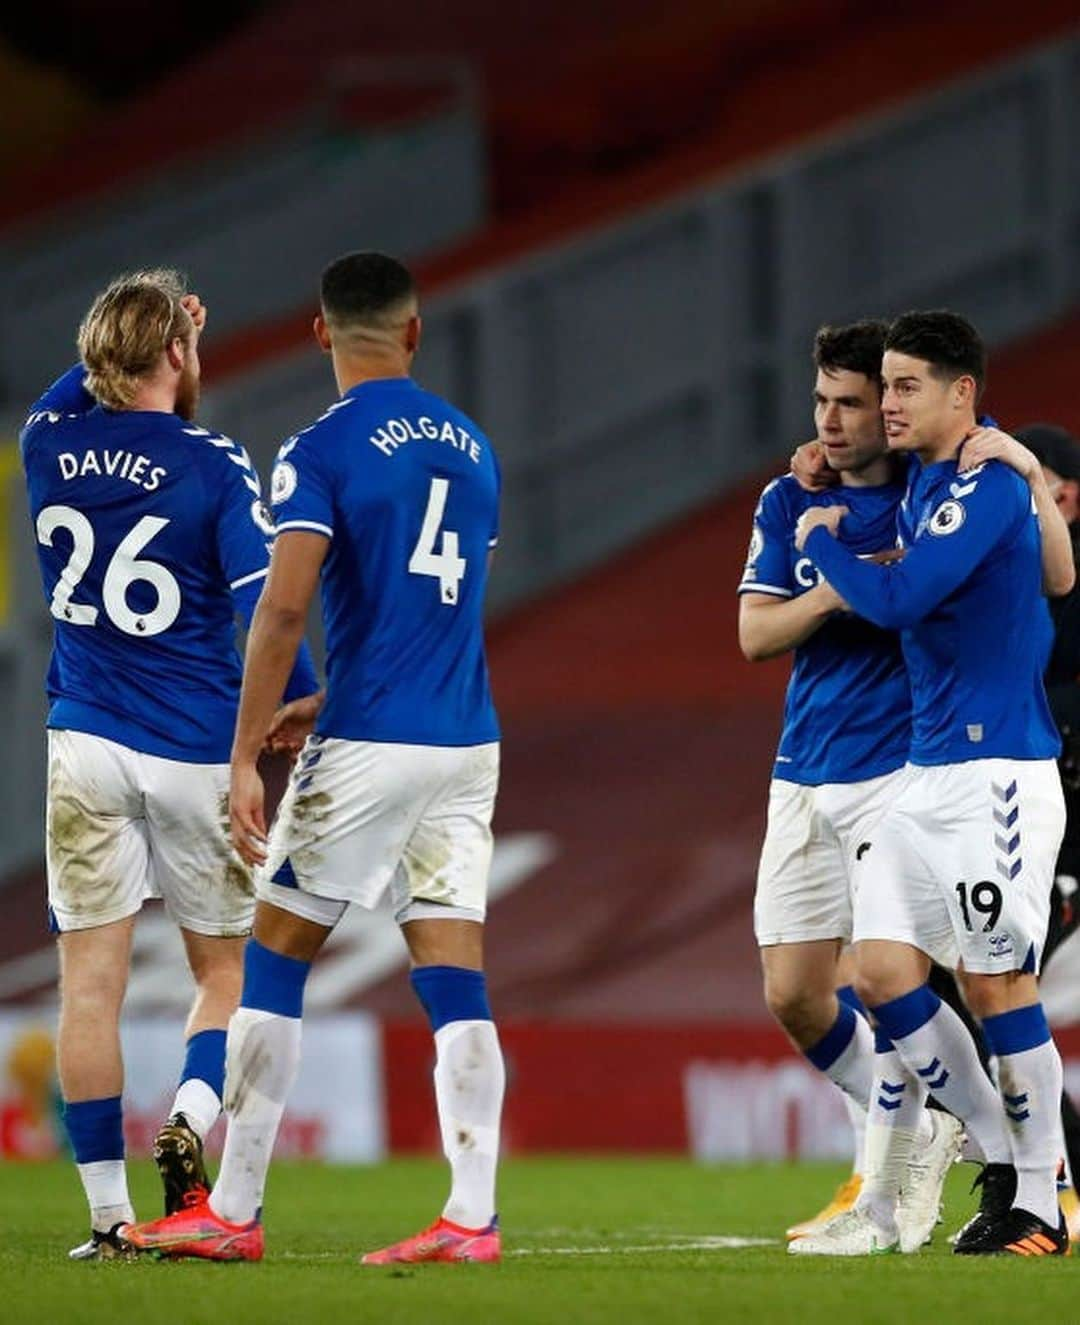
(574, 92)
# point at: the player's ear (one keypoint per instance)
(413, 328)
(964, 392)
(322, 333)
(176, 353)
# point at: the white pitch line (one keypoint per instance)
(698, 1244)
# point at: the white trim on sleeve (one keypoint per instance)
(749, 586)
(305, 524)
(248, 579)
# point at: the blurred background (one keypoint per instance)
(627, 219)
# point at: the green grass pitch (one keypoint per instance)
(590, 1240)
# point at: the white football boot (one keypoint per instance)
(856, 1233)
(919, 1208)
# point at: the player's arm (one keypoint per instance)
(940, 560)
(276, 631)
(1059, 568)
(67, 395)
(302, 682)
(770, 626)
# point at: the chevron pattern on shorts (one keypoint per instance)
(1007, 841)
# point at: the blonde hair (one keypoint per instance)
(126, 331)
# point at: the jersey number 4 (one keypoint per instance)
(122, 572)
(446, 565)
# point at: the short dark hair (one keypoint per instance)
(363, 287)
(856, 348)
(945, 340)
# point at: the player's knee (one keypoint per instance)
(91, 991)
(990, 995)
(804, 1014)
(222, 981)
(879, 984)
(216, 963)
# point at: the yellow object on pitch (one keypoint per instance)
(1070, 1208)
(843, 1199)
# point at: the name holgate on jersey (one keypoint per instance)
(137, 469)
(395, 432)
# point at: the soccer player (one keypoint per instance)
(151, 534)
(847, 729)
(392, 498)
(960, 867)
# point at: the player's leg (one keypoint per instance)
(440, 897)
(900, 918)
(93, 977)
(262, 1058)
(801, 993)
(97, 877)
(846, 993)
(1030, 1081)
(1001, 916)
(263, 1051)
(217, 966)
(802, 916)
(470, 1078)
(208, 891)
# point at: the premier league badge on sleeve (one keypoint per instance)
(283, 482)
(947, 519)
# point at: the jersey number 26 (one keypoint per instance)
(122, 571)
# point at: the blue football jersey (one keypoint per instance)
(406, 488)
(847, 715)
(968, 599)
(146, 528)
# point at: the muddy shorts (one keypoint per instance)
(122, 826)
(360, 817)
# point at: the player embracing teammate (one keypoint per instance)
(959, 868)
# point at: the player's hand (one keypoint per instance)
(827, 517)
(247, 822)
(983, 444)
(810, 469)
(196, 310)
(293, 724)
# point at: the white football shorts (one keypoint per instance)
(122, 826)
(962, 865)
(813, 842)
(359, 817)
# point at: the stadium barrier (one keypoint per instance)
(716, 1092)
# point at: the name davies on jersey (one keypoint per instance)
(395, 432)
(112, 464)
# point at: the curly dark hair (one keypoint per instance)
(943, 339)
